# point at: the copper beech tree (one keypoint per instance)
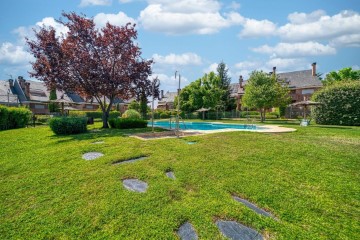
(100, 63)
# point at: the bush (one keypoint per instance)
(340, 104)
(13, 117)
(165, 115)
(42, 119)
(131, 114)
(68, 125)
(94, 114)
(124, 123)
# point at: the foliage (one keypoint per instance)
(340, 104)
(42, 119)
(130, 113)
(226, 103)
(13, 117)
(91, 61)
(53, 107)
(343, 75)
(263, 91)
(143, 105)
(134, 105)
(68, 125)
(125, 123)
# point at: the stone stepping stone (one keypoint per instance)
(234, 230)
(254, 207)
(191, 143)
(92, 155)
(170, 175)
(98, 142)
(187, 232)
(135, 185)
(130, 160)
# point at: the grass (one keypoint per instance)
(308, 179)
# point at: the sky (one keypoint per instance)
(193, 36)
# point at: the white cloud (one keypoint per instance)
(256, 28)
(248, 65)
(234, 5)
(211, 68)
(14, 54)
(182, 59)
(85, 3)
(169, 82)
(301, 18)
(51, 22)
(186, 17)
(325, 27)
(287, 64)
(296, 49)
(352, 40)
(119, 19)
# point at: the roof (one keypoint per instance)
(6, 93)
(235, 89)
(300, 79)
(168, 97)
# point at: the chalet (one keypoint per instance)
(166, 101)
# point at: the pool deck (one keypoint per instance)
(184, 133)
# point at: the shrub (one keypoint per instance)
(132, 114)
(68, 125)
(13, 117)
(94, 114)
(340, 104)
(124, 123)
(42, 119)
(165, 115)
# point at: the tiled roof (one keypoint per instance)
(6, 94)
(300, 79)
(168, 97)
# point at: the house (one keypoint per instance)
(166, 101)
(302, 85)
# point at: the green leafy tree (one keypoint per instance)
(143, 105)
(343, 75)
(224, 84)
(53, 107)
(264, 91)
(134, 105)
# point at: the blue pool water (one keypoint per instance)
(204, 126)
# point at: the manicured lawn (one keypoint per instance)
(308, 179)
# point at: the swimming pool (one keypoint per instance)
(204, 126)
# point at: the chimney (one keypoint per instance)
(11, 83)
(21, 82)
(241, 80)
(161, 94)
(313, 69)
(27, 89)
(274, 71)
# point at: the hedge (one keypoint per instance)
(13, 117)
(340, 104)
(131, 114)
(124, 123)
(94, 114)
(68, 125)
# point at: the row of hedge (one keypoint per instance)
(125, 123)
(68, 125)
(93, 114)
(13, 117)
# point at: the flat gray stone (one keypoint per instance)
(92, 155)
(130, 160)
(187, 232)
(98, 142)
(170, 175)
(254, 207)
(135, 185)
(234, 230)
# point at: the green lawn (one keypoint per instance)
(308, 179)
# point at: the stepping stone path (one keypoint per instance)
(130, 160)
(92, 155)
(191, 143)
(234, 230)
(170, 175)
(98, 142)
(187, 232)
(135, 185)
(253, 207)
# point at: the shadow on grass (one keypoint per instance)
(102, 133)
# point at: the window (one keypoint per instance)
(307, 91)
(39, 106)
(89, 107)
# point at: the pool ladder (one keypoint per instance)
(174, 121)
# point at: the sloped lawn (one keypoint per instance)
(309, 180)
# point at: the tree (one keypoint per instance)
(345, 74)
(263, 91)
(224, 84)
(90, 61)
(134, 105)
(53, 107)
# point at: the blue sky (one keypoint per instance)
(193, 36)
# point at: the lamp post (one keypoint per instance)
(178, 106)
(155, 82)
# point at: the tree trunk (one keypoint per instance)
(105, 119)
(262, 115)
